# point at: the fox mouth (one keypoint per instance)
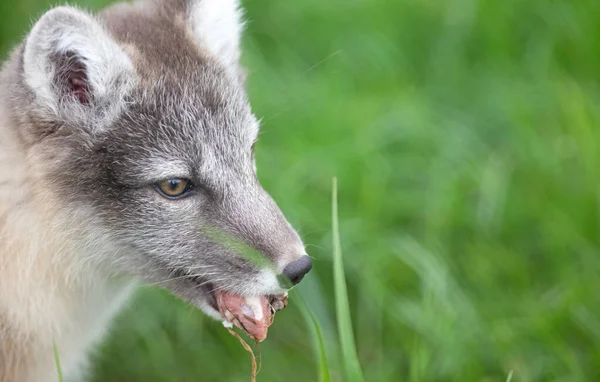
(252, 314)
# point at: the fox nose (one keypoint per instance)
(297, 269)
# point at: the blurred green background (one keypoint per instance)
(465, 137)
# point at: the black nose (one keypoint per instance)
(297, 269)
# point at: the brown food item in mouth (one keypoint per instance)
(253, 315)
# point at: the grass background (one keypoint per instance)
(464, 134)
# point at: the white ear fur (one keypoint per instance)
(68, 31)
(218, 26)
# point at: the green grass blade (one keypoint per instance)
(57, 361)
(509, 377)
(317, 336)
(344, 320)
(324, 375)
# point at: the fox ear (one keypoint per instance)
(218, 26)
(73, 66)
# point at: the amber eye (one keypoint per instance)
(174, 188)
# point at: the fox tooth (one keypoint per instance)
(254, 304)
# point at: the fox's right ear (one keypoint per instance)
(217, 26)
(74, 67)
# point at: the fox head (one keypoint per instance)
(137, 126)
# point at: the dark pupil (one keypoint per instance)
(174, 184)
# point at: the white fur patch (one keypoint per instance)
(218, 26)
(265, 283)
(162, 169)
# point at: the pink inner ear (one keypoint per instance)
(80, 89)
(74, 76)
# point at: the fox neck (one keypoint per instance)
(51, 289)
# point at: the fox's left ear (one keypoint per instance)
(217, 26)
(75, 69)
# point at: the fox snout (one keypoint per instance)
(255, 219)
(297, 269)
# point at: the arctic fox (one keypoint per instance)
(126, 153)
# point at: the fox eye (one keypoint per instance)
(174, 188)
